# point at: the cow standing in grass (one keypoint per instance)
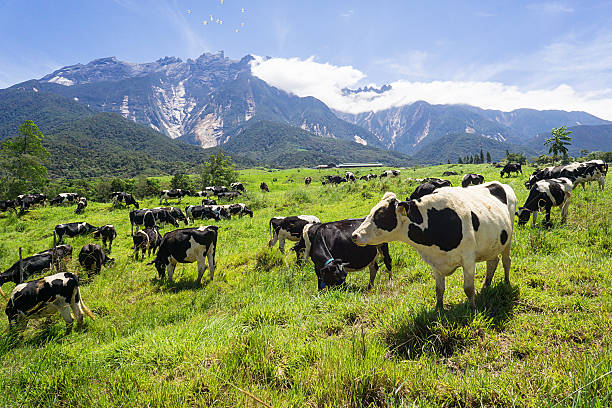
(282, 228)
(546, 194)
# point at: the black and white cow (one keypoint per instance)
(428, 187)
(202, 193)
(237, 187)
(449, 173)
(215, 190)
(333, 252)
(595, 170)
(72, 229)
(546, 194)
(229, 195)
(239, 209)
(92, 256)
(472, 179)
(350, 176)
(187, 246)
(174, 212)
(44, 297)
(451, 228)
(307, 180)
(81, 204)
(173, 194)
(6, 205)
(282, 228)
(390, 173)
(120, 197)
(206, 201)
(145, 240)
(25, 201)
(264, 187)
(579, 173)
(64, 198)
(333, 179)
(35, 264)
(107, 233)
(511, 168)
(204, 212)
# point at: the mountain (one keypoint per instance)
(407, 128)
(202, 101)
(280, 145)
(591, 138)
(452, 146)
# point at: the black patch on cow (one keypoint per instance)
(475, 221)
(444, 229)
(385, 217)
(498, 192)
(556, 192)
(412, 211)
(503, 237)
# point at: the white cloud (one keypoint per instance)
(325, 82)
(348, 13)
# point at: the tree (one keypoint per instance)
(22, 162)
(460, 161)
(488, 157)
(218, 171)
(180, 180)
(557, 142)
(481, 156)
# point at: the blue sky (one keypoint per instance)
(498, 54)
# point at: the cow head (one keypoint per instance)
(385, 221)
(333, 273)
(160, 265)
(523, 215)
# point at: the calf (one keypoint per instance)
(173, 194)
(350, 176)
(307, 180)
(546, 194)
(44, 297)
(264, 187)
(81, 204)
(237, 187)
(206, 201)
(511, 168)
(64, 198)
(451, 228)
(428, 187)
(390, 173)
(187, 246)
(93, 257)
(240, 210)
(472, 179)
(147, 239)
(333, 253)
(35, 264)
(119, 197)
(107, 233)
(282, 228)
(203, 212)
(72, 229)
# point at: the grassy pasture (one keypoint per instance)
(261, 327)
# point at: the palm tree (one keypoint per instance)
(559, 139)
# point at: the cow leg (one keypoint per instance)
(384, 251)
(547, 214)
(491, 267)
(440, 286)
(469, 270)
(506, 261)
(565, 206)
(211, 261)
(67, 316)
(78, 313)
(281, 244)
(273, 240)
(170, 270)
(373, 269)
(535, 216)
(201, 268)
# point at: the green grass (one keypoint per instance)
(262, 327)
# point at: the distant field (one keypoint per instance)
(262, 327)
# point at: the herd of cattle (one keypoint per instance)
(449, 227)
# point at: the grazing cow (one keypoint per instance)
(92, 256)
(229, 194)
(333, 180)
(107, 233)
(449, 173)
(390, 173)
(237, 187)
(307, 180)
(333, 253)
(472, 179)
(428, 187)
(35, 264)
(187, 246)
(282, 228)
(173, 194)
(595, 170)
(72, 229)
(451, 228)
(203, 212)
(264, 187)
(64, 198)
(174, 212)
(240, 210)
(546, 194)
(364, 178)
(511, 168)
(202, 193)
(45, 297)
(206, 201)
(81, 204)
(578, 173)
(147, 239)
(25, 201)
(349, 176)
(120, 197)
(137, 218)
(6, 205)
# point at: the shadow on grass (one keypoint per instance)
(178, 286)
(443, 332)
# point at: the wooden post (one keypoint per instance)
(20, 267)
(53, 254)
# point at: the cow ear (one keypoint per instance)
(411, 210)
(403, 205)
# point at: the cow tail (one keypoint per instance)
(83, 307)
